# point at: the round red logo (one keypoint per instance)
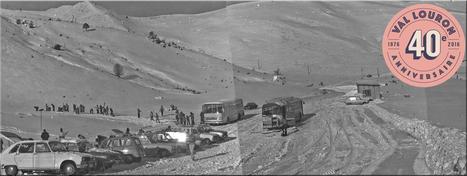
(423, 45)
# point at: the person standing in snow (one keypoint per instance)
(191, 144)
(139, 112)
(192, 118)
(201, 116)
(62, 134)
(111, 112)
(157, 118)
(127, 133)
(162, 110)
(177, 117)
(45, 135)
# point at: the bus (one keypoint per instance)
(222, 112)
(282, 112)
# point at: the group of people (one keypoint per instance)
(103, 110)
(183, 119)
(45, 135)
(77, 109)
(154, 116)
(63, 108)
(180, 117)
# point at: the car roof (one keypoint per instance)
(29, 141)
(122, 137)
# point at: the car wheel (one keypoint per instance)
(205, 142)
(68, 168)
(165, 153)
(11, 170)
(128, 159)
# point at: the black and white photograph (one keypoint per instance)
(233, 88)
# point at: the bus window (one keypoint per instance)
(212, 108)
(272, 110)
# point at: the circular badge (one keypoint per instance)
(423, 45)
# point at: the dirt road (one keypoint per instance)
(333, 139)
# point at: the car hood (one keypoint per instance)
(220, 133)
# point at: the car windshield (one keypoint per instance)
(57, 147)
(144, 140)
(270, 110)
(72, 147)
(212, 108)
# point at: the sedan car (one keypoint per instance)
(251, 105)
(130, 146)
(44, 156)
(356, 100)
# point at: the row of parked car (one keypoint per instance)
(74, 156)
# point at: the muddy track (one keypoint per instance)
(340, 139)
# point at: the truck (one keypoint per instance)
(282, 112)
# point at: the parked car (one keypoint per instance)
(108, 157)
(158, 148)
(356, 100)
(251, 105)
(130, 146)
(206, 128)
(44, 156)
(201, 138)
(105, 158)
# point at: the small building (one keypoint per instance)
(369, 88)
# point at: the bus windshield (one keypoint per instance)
(212, 108)
(272, 110)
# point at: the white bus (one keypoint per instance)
(222, 112)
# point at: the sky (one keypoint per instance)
(133, 8)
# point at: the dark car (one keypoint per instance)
(105, 158)
(155, 145)
(130, 146)
(251, 105)
(206, 128)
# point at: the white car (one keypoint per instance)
(44, 156)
